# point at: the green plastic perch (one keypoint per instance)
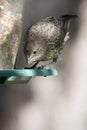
(23, 75)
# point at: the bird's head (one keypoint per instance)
(34, 52)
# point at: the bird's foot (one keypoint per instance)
(39, 67)
(42, 67)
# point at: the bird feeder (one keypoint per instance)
(10, 34)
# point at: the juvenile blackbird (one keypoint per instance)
(46, 39)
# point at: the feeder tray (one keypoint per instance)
(23, 75)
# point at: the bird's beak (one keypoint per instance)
(29, 59)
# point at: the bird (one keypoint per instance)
(45, 40)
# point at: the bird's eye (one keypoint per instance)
(34, 52)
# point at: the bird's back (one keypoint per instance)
(60, 37)
(47, 29)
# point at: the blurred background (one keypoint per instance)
(51, 103)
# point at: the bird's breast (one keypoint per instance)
(51, 53)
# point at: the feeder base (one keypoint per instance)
(23, 75)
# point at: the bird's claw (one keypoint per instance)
(42, 67)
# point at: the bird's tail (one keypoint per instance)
(66, 19)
